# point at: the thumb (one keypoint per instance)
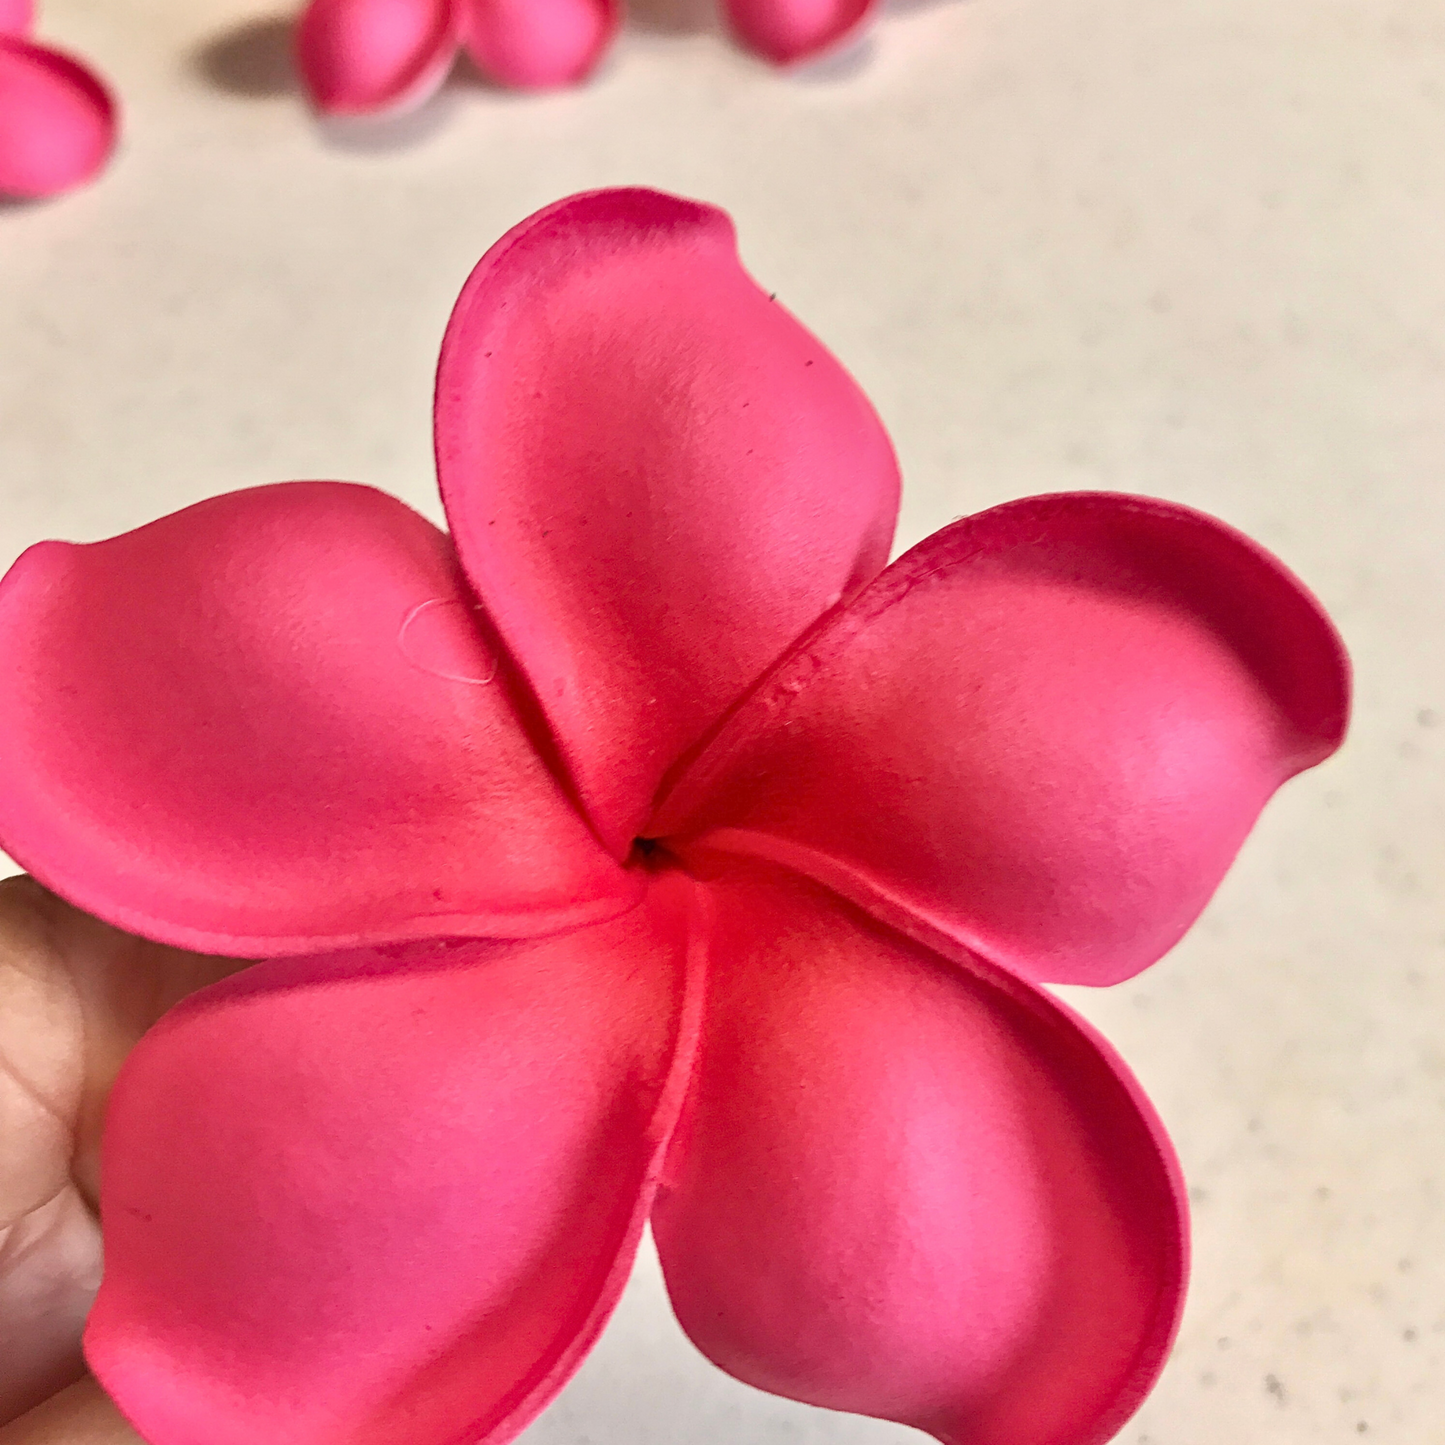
(75, 997)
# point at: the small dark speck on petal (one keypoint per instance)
(488, 354)
(1362, 1427)
(1322, 1191)
(772, 296)
(1273, 1387)
(1408, 1335)
(809, 362)
(1427, 717)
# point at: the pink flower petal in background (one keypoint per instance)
(273, 724)
(401, 1211)
(538, 44)
(788, 30)
(362, 56)
(368, 56)
(913, 1190)
(16, 16)
(58, 122)
(1047, 730)
(655, 477)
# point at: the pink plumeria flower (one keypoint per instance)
(363, 56)
(645, 849)
(58, 121)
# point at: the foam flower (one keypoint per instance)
(644, 849)
(57, 119)
(364, 56)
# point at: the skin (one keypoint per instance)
(75, 997)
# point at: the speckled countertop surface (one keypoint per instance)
(1190, 248)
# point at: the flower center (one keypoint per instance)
(648, 853)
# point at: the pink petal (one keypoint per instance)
(912, 1190)
(57, 121)
(272, 723)
(656, 478)
(789, 30)
(537, 44)
(362, 56)
(16, 17)
(1047, 729)
(392, 1198)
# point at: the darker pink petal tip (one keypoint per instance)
(58, 122)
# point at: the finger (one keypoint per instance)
(79, 1415)
(75, 996)
(49, 1240)
(122, 986)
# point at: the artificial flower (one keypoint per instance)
(57, 119)
(362, 56)
(644, 849)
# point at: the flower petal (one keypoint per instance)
(16, 16)
(57, 121)
(912, 1190)
(789, 30)
(537, 44)
(656, 478)
(1047, 729)
(374, 1199)
(362, 56)
(271, 723)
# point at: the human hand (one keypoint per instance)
(75, 997)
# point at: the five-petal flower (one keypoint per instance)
(57, 119)
(363, 56)
(646, 849)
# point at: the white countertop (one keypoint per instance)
(1192, 248)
